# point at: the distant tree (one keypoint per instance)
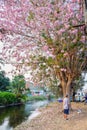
(18, 85)
(56, 89)
(4, 81)
(77, 84)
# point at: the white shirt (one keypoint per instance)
(65, 103)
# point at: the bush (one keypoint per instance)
(23, 98)
(7, 98)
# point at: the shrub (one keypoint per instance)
(7, 98)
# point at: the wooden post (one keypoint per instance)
(85, 15)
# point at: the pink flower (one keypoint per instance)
(45, 48)
(66, 54)
(83, 39)
(62, 51)
(63, 69)
(74, 0)
(66, 26)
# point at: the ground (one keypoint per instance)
(51, 118)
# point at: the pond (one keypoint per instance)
(10, 117)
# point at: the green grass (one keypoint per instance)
(36, 98)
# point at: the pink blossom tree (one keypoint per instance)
(33, 29)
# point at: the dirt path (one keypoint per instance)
(51, 118)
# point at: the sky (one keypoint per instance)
(7, 68)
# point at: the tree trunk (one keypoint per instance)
(63, 88)
(66, 90)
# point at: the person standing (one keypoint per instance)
(85, 102)
(66, 107)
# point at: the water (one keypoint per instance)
(12, 116)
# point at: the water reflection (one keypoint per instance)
(12, 116)
(5, 125)
(16, 115)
